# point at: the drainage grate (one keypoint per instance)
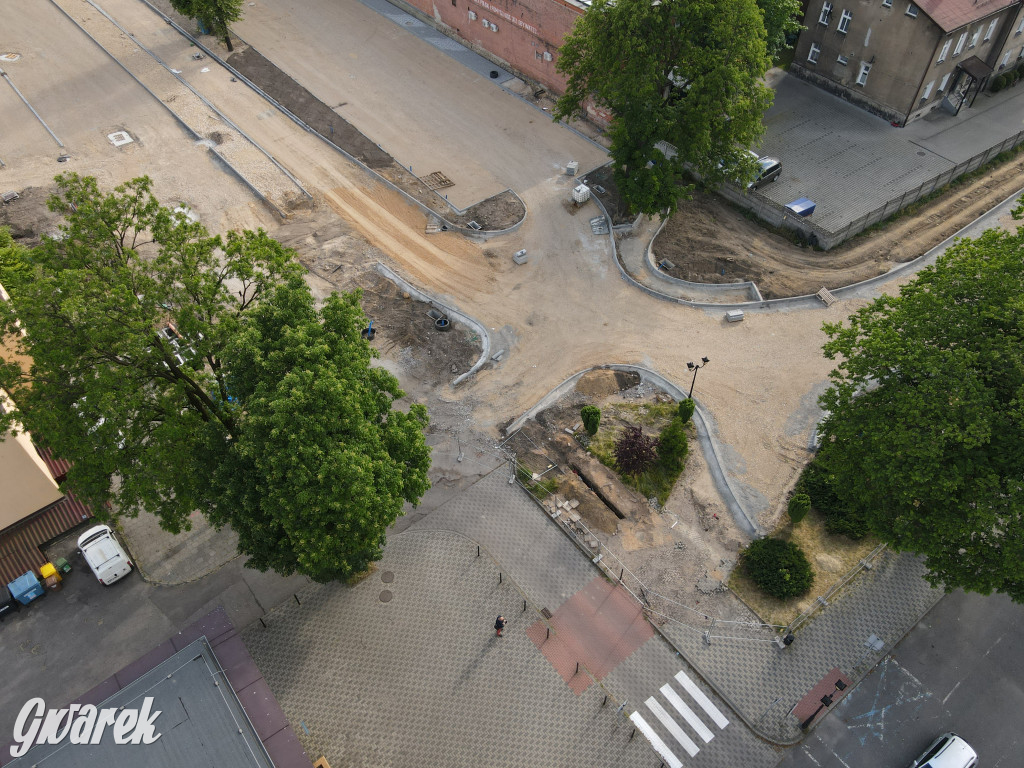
(437, 180)
(120, 138)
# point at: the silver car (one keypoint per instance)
(947, 751)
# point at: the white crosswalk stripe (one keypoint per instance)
(659, 746)
(688, 714)
(698, 696)
(670, 725)
(667, 719)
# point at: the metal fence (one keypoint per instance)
(778, 215)
(823, 600)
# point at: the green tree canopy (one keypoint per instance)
(781, 19)
(682, 72)
(215, 15)
(13, 260)
(925, 415)
(265, 414)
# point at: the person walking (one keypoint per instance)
(499, 624)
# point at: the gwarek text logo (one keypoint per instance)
(83, 724)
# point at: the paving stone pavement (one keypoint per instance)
(422, 680)
(765, 682)
(506, 521)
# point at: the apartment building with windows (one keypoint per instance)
(901, 59)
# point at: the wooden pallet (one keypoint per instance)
(437, 180)
(826, 297)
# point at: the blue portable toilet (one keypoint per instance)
(26, 588)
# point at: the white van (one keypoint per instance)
(106, 558)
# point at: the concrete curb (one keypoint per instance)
(463, 318)
(712, 455)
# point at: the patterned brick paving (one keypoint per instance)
(597, 628)
(422, 680)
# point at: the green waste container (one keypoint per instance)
(62, 565)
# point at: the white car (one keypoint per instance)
(947, 751)
(105, 556)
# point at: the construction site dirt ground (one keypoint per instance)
(567, 309)
(711, 241)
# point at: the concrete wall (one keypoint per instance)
(527, 37)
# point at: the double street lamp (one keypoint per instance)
(696, 367)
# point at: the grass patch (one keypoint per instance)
(831, 558)
(653, 417)
(541, 488)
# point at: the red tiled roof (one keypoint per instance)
(20, 543)
(953, 14)
(58, 467)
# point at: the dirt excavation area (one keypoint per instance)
(710, 241)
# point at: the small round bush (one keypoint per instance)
(779, 568)
(591, 416)
(799, 506)
(672, 445)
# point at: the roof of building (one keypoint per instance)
(215, 709)
(953, 14)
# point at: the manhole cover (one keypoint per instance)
(387, 577)
(385, 596)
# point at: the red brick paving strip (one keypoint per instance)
(599, 627)
(825, 687)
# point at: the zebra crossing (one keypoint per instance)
(675, 701)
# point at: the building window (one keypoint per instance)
(912, 11)
(843, 60)
(945, 51)
(812, 55)
(1006, 58)
(960, 45)
(867, 38)
(862, 78)
(927, 91)
(1021, 54)
(472, 15)
(943, 83)
(974, 39)
(547, 56)
(887, 3)
(1020, 27)
(826, 13)
(844, 21)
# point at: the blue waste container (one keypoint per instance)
(26, 588)
(802, 207)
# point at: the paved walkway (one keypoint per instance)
(851, 162)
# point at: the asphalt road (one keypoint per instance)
(61, 645)
(961, 669)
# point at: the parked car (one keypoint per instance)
(105, 556)
(769, 169)
(947, 751)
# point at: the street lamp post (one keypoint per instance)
(696, 367)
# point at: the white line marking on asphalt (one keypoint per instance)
(672, 727)
(659, 746)
(700, 698)
(832, 752)
(688, 715)
(810, 756)
(951, 692)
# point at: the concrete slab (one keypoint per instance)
(424, 108)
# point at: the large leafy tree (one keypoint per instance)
(925, 415)
(684, 73)
(781, 19)
(13, 258)
(265, 414)
(215, 15)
